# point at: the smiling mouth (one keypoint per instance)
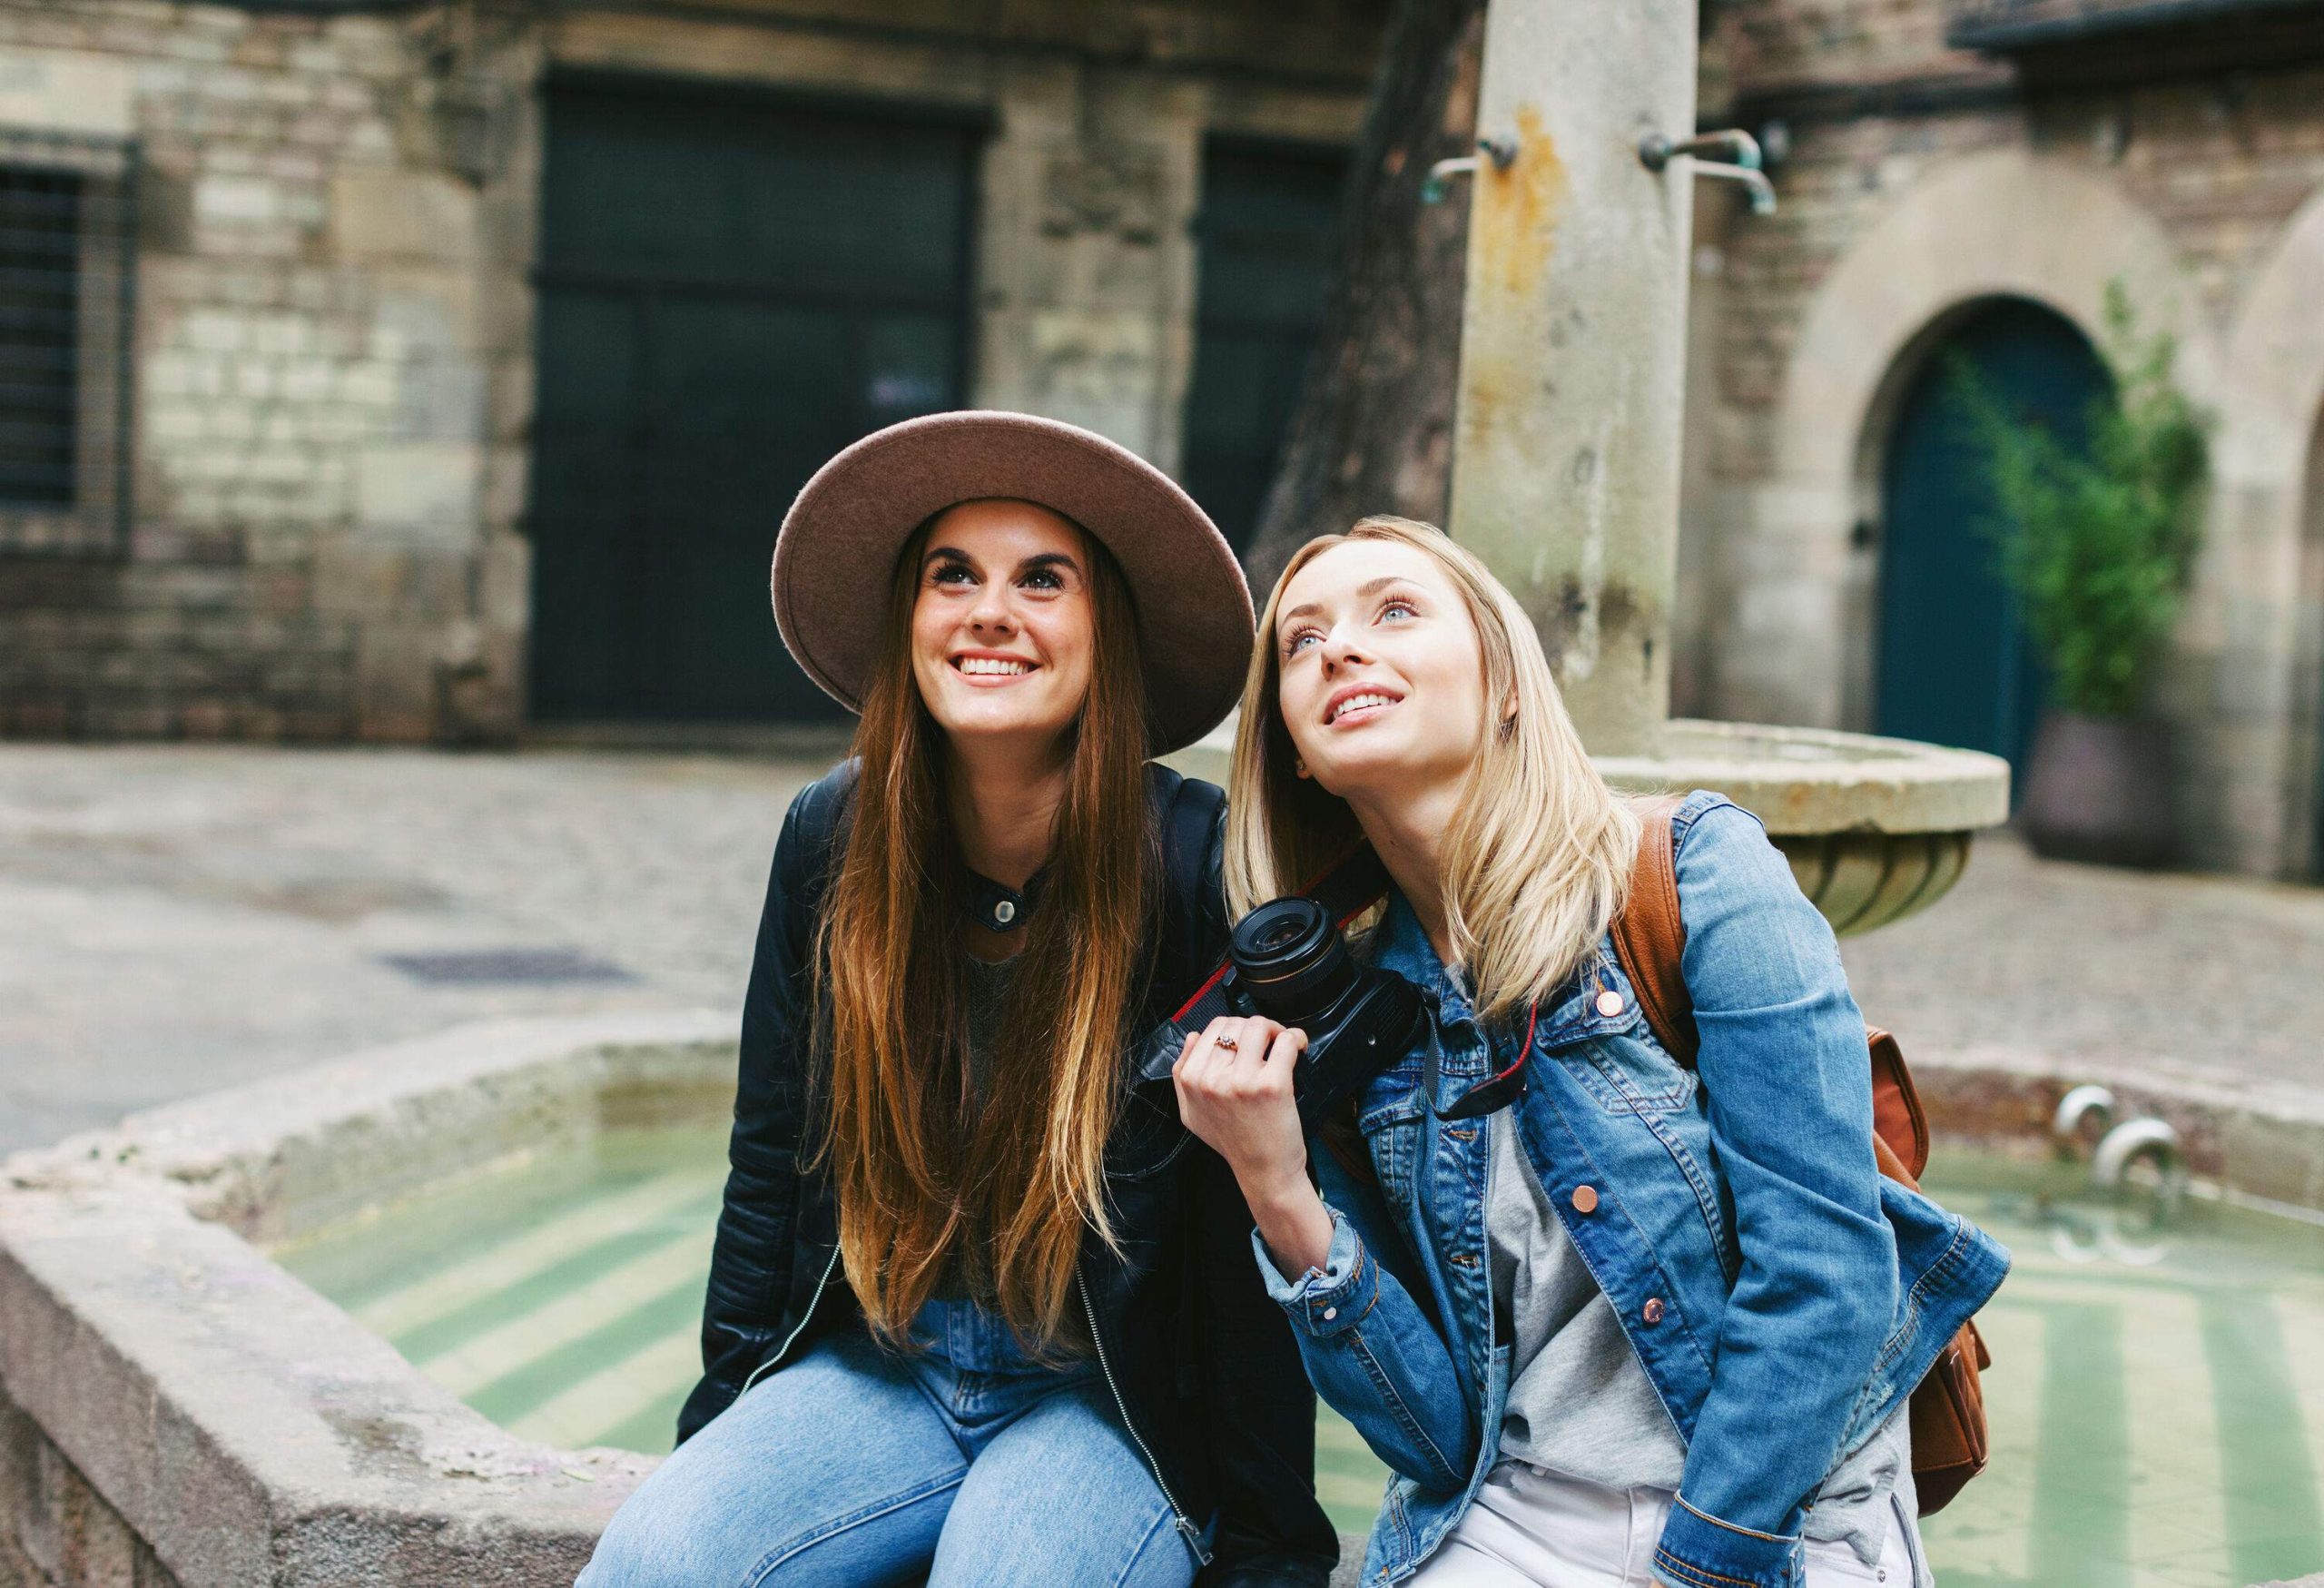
(991, 669)
(1358, 704)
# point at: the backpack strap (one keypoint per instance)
(1651, 938)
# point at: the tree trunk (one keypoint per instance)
(1373, 433)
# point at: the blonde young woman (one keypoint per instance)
(976, 1314)
(1611, 1320)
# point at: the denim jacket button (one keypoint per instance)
(1330, 1313)
(1585, 1198)
(1652, 1311)
(1609, 1003)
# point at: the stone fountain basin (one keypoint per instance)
(179, 1411)
(1874, 828)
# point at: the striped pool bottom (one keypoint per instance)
(2157, 1399)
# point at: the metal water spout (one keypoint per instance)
(2134, 1140)
(1500, 151)
(2076, 1106)
(1733, 153)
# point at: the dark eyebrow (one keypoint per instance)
(938, 553)
(1364, 592)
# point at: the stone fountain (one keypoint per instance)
(1566, 463)
(1565, 474)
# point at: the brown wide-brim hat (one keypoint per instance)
(837, 551)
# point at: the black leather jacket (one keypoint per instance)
(1201, 1361)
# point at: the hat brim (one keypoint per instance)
(836, 551)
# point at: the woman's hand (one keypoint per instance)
(1234, 1082)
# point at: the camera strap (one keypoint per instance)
(1349, 886)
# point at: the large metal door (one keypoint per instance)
(1955, 666)
(731, 290)
(1265, 235)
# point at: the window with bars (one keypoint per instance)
(67, 290)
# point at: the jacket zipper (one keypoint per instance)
(1186, 1528)
(782, 1350)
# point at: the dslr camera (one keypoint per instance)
(1292, 965)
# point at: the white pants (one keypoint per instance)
(1536, 1529)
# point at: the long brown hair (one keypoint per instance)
(1005, 1201)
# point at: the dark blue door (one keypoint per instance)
(1954, 666)
(731, 290)
(1264, 235)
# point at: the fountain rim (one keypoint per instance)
(1808, 781)
(1800, 781)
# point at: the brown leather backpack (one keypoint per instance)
(1948, 1409)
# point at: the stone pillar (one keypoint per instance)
(1086, 252)
(1572, 345)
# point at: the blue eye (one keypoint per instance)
(1294, 644)
(1406, 608)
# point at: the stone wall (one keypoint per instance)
(333, 372)
(1920, 177)
(60, 1532)
(323, 540)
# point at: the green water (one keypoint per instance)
(2157, 1395)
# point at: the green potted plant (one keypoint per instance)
(2098, 542)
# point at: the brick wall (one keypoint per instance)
(318, 549)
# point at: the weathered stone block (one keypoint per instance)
(236, 200)
(69, 91)
(389, 216)
(427, 489)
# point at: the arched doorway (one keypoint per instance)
(1953, 666)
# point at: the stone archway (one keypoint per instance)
(2003, 223)
(2262, 612)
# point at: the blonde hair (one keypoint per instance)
(1538, 857)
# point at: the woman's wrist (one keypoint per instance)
(1293, 1221)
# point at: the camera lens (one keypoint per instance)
(1290, 961)
(1279, 935)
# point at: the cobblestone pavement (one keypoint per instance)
(176, 919)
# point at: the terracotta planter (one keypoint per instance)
(2098, 789)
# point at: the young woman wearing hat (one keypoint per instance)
(976, 1314)
(1614, 1321)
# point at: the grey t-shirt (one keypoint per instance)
(1580, 1402)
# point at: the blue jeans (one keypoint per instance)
(855, 1466)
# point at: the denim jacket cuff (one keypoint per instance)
(1327, 1300)
(1700, 1551)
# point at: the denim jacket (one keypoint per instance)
(1782, 1297)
